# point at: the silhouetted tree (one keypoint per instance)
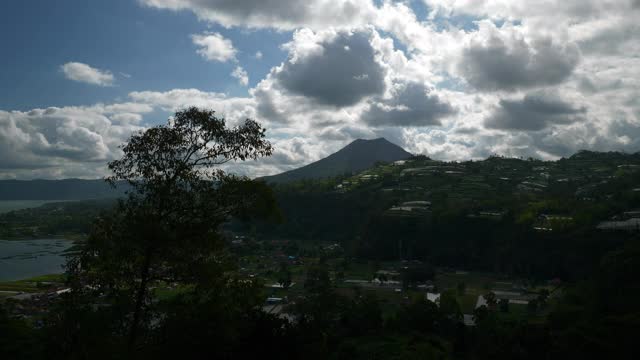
(449, 306)
(491, 299)
(462, 288)
(284, 275)
(18, 340)
(167, 229)
(543, 297)
(504, 305)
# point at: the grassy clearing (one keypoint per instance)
(58, 278)
(18, 287)
(34, 284)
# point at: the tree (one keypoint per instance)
(491, 299)
(462, 288)
(543, 297)
(167, 229)
(317, 279)
(18, 340)
(449, 306)
(374, 267)
(320, 306)
(362, 315)
(480, 313)
(420, 315)
(504, 305)
(415, 274)
(284, 275)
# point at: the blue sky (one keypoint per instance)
(451, 79)
(150, 45)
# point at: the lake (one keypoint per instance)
(22, 259)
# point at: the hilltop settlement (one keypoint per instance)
(493, 245)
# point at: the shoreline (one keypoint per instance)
(70, 237)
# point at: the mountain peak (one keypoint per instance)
(360, 154)
(376, 140)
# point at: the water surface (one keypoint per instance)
(22, 259)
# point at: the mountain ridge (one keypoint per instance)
(85, 189)
(63, 189)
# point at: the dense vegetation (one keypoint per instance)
(165, 273)
(596, 317)
(525, 217)
(71, 219)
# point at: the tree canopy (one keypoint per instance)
(167, 230)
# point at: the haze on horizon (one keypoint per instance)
(449, 79)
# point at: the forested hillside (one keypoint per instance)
(68, 189)
(531, 217)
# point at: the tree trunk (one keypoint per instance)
(141, 293)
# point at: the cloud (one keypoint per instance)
(258, 55)
(323, 82)
(473, 78)
(612, 35)
(62, 142)
(240, 74)
(411, 104)
(84, 73)
(78, 141)
(233, 109)
(534, 112)
(214, 47)
(548, 11)
(278, 14)
(504, 60)
(332, 68)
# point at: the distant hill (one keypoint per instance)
(357, 156)
(67, 189)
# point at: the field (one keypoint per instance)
(31, 285)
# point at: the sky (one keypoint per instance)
(451, 79)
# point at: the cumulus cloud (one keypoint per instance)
(78, 141)
(232, 108)
(471, 79)
(333, 68)
(240, 74)
(411, 104)
(84, 73)
(565, 10)
(318, 85)
(611, 35)
(504, 60)
(214, 47)
(279, 14)
(61, 142)
(534, 112)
